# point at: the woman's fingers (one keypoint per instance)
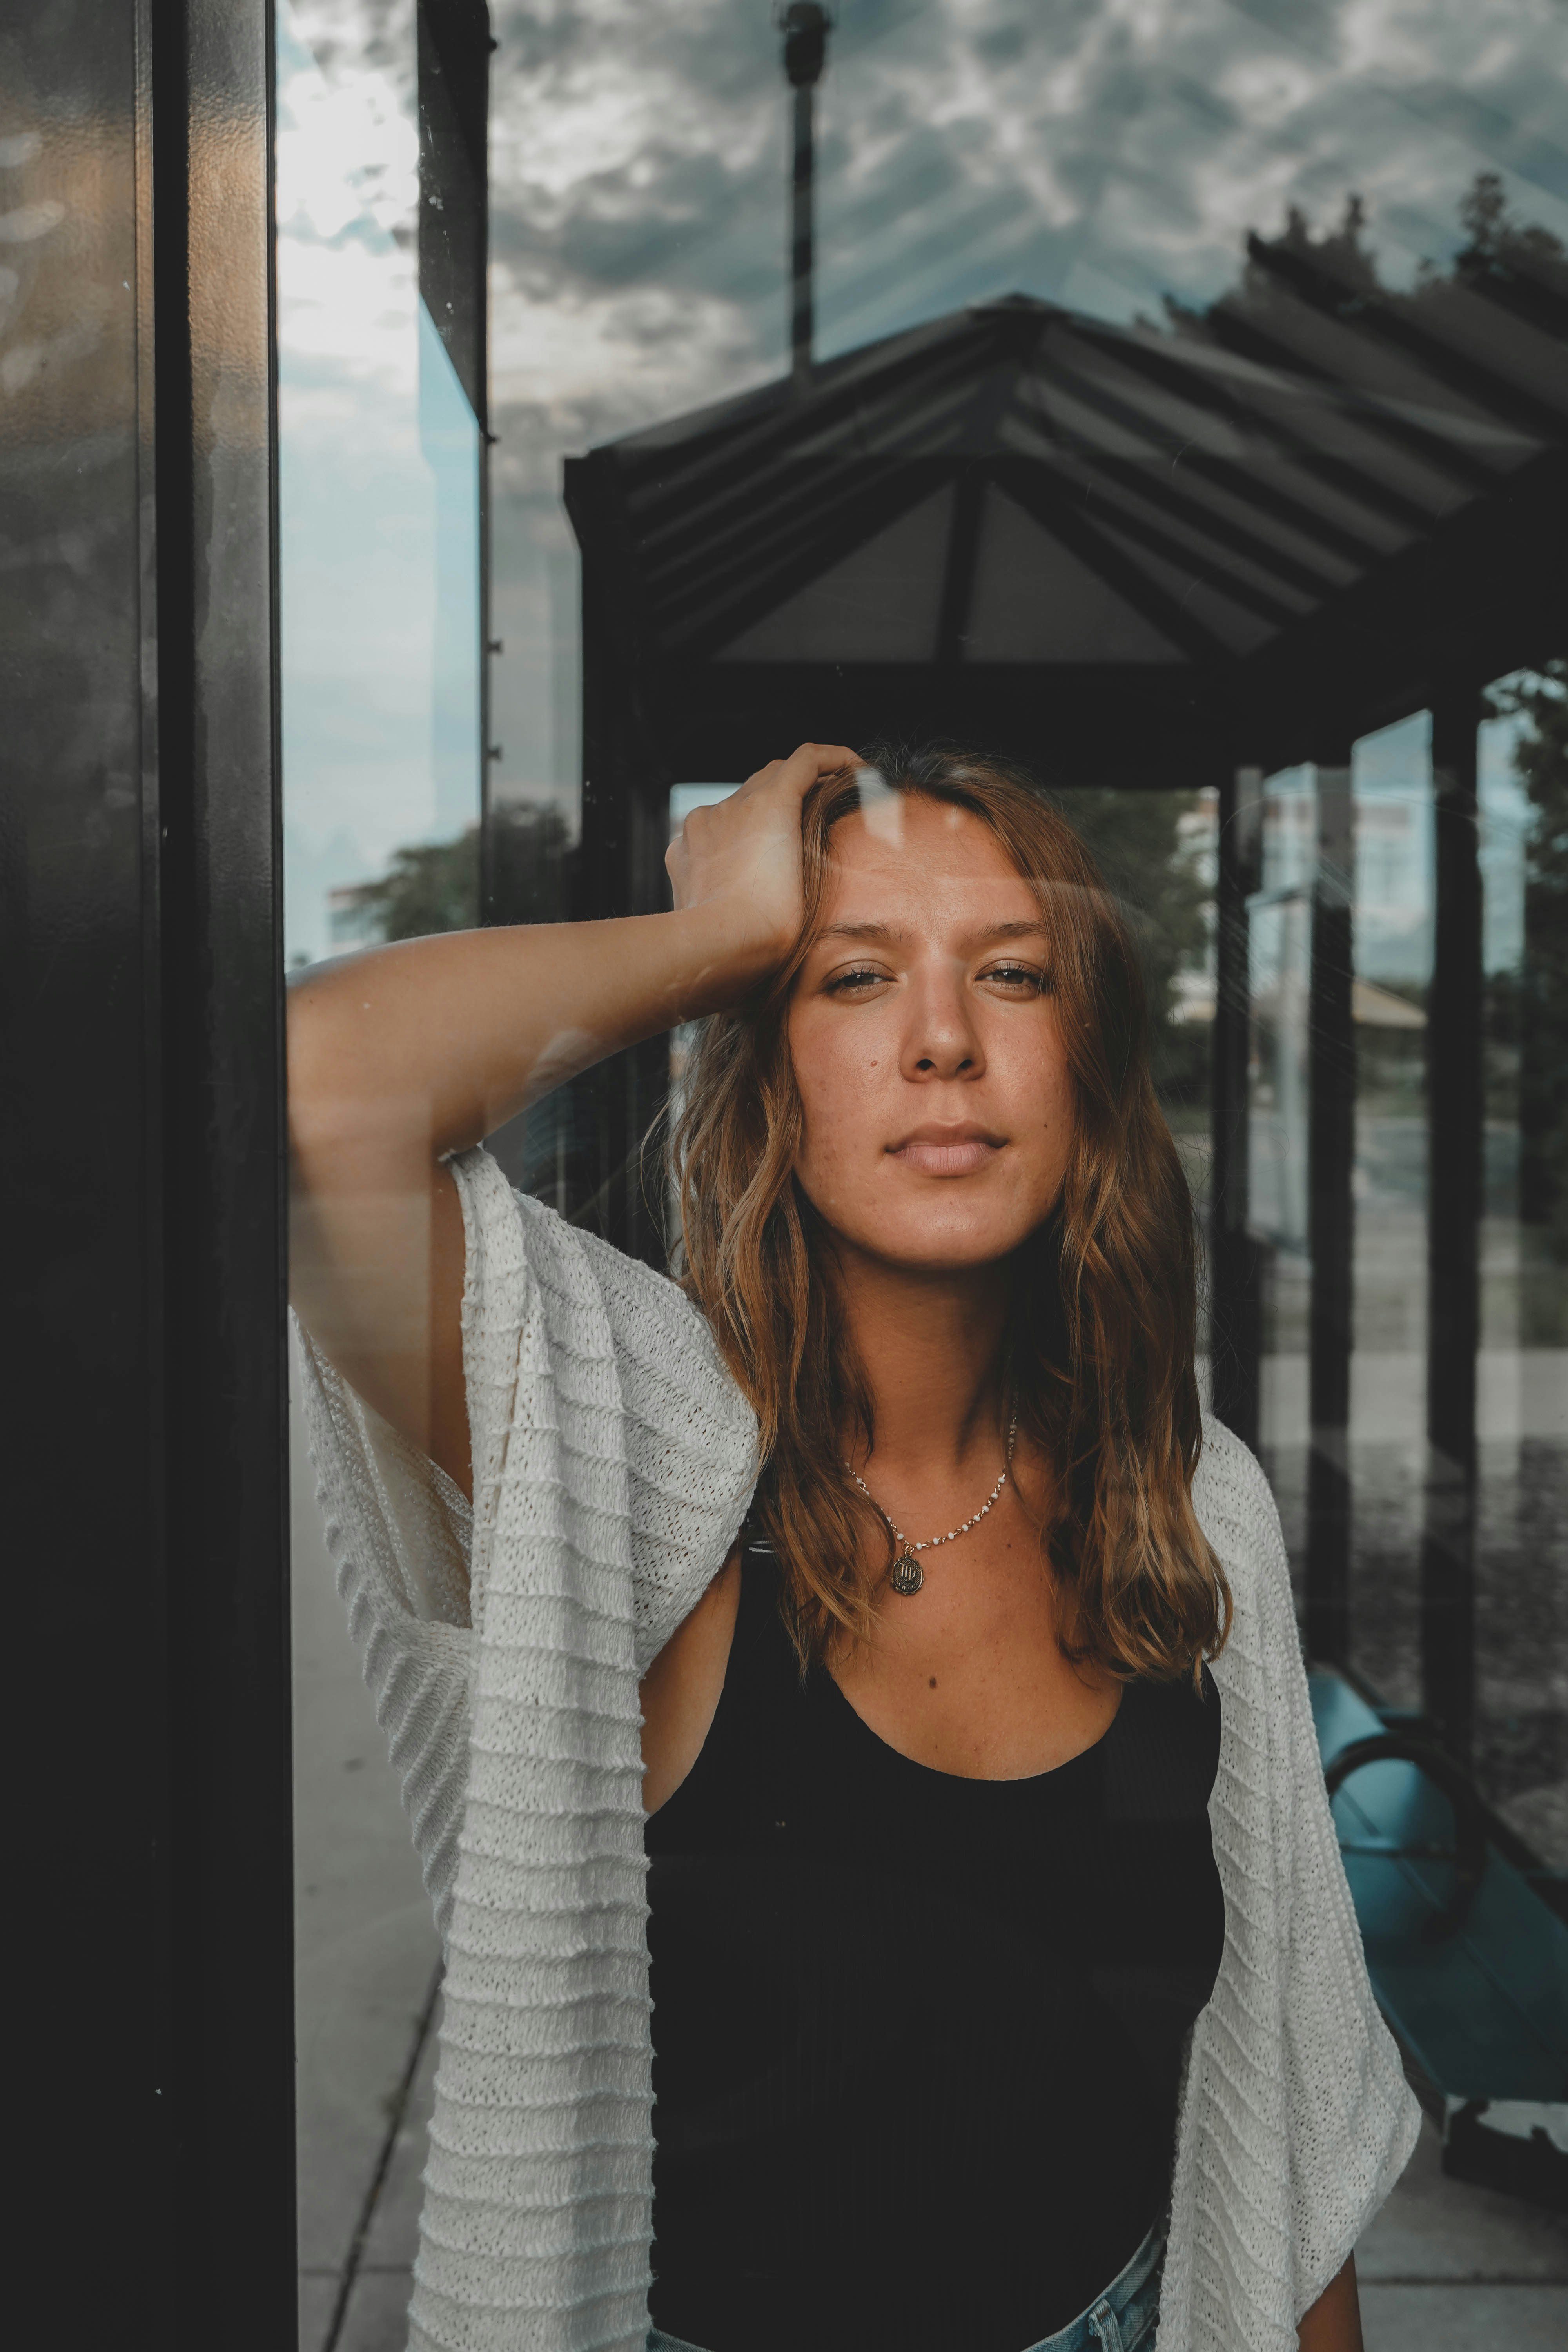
(806, 764)
(747, 839)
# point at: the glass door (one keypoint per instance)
(382, 594)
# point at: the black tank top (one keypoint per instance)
(916, 2039)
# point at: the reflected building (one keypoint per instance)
(1266, 583)
(1267, 557)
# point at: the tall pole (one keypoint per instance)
(1332, 1218)
(805, 26)
(1235, 1304)
(1454, 1110)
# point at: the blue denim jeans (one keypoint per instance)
(1121, 2319)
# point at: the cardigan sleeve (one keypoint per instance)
(613, 1462)
(543, 1307)
(613, 1330)
(1296, 2119)
(1351, 2120)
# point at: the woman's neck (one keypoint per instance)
(930, 1346)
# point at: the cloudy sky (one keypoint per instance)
(1100, 152)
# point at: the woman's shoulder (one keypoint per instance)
(1236, 1506)
(596, 1299)
(1237, 1513)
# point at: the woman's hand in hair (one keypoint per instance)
(406, 1053)
(742, 857)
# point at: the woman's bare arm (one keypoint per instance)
(403, 1054)
(1333, 2323)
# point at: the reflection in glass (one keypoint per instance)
(1214, 317)
(379, 469)
(379, 476)
(1393, 930)
(1522, 1437)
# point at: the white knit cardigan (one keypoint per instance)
(614, 1459)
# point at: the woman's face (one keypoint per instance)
(939, 1110)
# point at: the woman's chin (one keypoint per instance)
(929, 1243)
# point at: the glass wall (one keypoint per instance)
(1522, 1631)
(1174, 370)
(379, 497)
(381, 655)
(1392, 927)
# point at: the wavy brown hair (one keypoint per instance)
(1102, 1326)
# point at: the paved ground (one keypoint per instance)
(1445, 2268)
(366, 1958)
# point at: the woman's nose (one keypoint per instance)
(940, 1040)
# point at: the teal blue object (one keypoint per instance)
(1483, 2012)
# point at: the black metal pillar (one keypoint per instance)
(619, 866)
(805, 28)
(1235, 1300)
(453, 46)
(1331, 1223)
(144, 1174)
(1454, 1112)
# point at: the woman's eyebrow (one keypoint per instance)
(887, 934)
(860, 932)
(1022, 930)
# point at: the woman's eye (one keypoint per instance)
(863, 976)
(1022, 976)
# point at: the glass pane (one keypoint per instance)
(1156, 851)
(1522, 1737)
(1391, 935)
(1156, 351)
(379, 523)
(380, 536)
(1279, 942)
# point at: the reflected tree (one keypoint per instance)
(1515, 264)
(435, 885)
(1154, 850)
(1540, 1007)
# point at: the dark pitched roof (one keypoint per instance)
(1019, 484)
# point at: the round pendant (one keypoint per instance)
(907, 1574)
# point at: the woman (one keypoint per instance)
(1006, 1991)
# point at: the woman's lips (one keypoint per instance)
(948, 1151)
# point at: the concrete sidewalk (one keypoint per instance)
(1448, 2268)
(366, 1955)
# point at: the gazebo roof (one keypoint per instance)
(1291, 517)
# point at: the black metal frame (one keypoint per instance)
(1454, 1110)
(145, 1150)
(454, 48)
(1235, 1269)
(1331, 1218)
(145, 1180)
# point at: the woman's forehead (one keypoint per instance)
(912, 847)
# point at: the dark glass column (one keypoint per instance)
(619, 866)
(1331, 1223)
(145, 1176)
(1454, 1110)
(1235, 1298)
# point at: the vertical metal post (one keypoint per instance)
(1234, 1306)
(453, 48)
(224, 1201)
(1331, 1223)
(806, 28)
(1454, 1112)
(144, 1169)
(802, 327)
(620, 864)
